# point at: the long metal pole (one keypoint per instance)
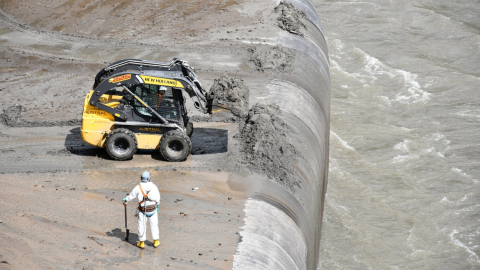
(126, 228)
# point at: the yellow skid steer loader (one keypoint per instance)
(140, 104)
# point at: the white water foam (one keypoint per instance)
(444, 199)
(342, 142)
(335, 65)
(372, 69)
(400, 158)
(403, 146)
(467, 176)
(411, 92)
(469, 113)
(435, 144)
(456, 242)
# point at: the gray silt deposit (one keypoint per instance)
(289, 18)
(290, 236)
(12, 117)
(208, 118)
(230, 92)
(276, 59)
(62, 152)
(266, 147)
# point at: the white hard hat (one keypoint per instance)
(145, 176)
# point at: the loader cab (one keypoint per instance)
(165, 100)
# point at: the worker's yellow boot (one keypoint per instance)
(141, 244)
(156, 243)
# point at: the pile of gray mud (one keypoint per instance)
(228, 92)
(289, 18)
(276, 59)
(266, 147)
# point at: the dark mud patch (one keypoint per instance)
(232, 93)
(209, 141)
(277, 59)
(289, 18)
(12, 117)
(266, 147)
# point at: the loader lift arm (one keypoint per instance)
(128, 72)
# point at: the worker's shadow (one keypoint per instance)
(132, 238)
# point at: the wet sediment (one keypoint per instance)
(266, 147)
(289, 17)
(230, 92)
(280, 90)
(12, 117)
(271, 59)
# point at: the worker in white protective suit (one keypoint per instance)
(148, 198)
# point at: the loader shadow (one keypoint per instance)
(132, 238)
(209, 141)
(204, 141)
(75, 145)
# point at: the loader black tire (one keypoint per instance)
(189, 129)
(121, 144)
(175, 146)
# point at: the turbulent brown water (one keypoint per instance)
(404, 186)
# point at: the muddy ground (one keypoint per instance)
(61, 198)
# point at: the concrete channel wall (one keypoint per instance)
(283, 228)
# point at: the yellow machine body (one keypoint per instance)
(96, 124)
(148, 141)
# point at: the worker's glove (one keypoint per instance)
(157, 208)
